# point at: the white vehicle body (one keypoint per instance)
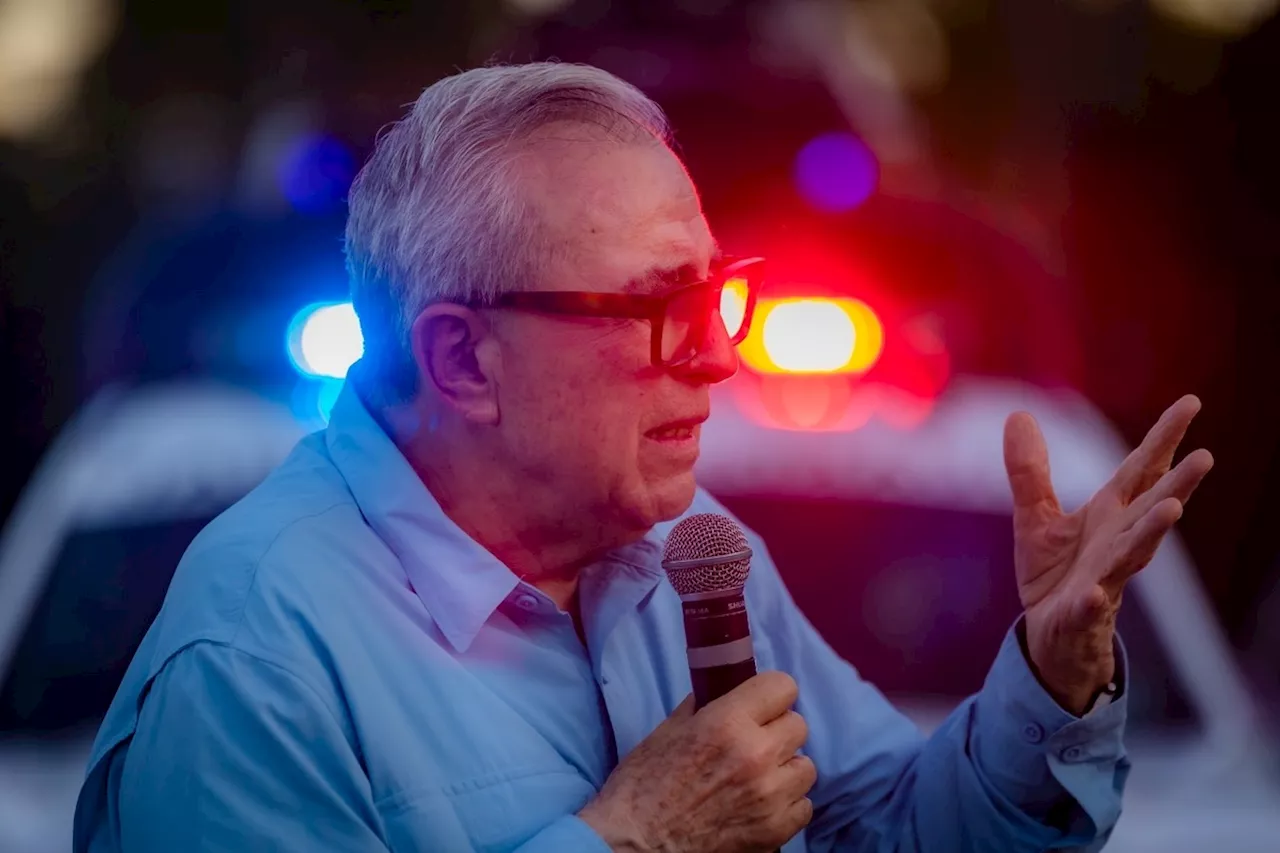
(174, 451)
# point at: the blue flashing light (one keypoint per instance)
(324, 340)
(313, 399)
(326, 396)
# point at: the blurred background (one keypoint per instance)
(972, 203)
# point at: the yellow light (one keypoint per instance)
(899, 44)
(733, 304)
(1218, 17)
(809, 336)
(813, 336)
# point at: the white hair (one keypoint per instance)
(434, 215)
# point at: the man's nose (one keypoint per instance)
(716, 360)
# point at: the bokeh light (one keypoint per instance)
(313, 399)
(809, 336)
(326, 396)
(45, 46)
(324, 340)
(814, 335)
(1218, 17)
(836, 172)
(733, 305)
(899, 44)
(316, 173)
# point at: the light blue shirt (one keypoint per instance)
(338, 667)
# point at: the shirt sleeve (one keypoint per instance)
(1008, 770)
(567, 833)
(233, 753)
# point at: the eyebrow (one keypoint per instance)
(660, 280)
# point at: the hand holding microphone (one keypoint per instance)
(728, 778)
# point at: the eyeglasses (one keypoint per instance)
(681, 319)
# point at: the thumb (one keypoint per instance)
(1087, 610)
(1026, 460)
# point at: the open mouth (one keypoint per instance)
(681, 430)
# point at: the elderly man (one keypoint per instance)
(441, 624)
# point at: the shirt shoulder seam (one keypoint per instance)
(266, 552)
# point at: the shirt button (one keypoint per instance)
(525, 601)
(1033, 732)
(1072, 754)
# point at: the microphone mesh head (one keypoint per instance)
(706, 536)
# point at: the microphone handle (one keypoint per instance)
(719, 639)
(710, 683)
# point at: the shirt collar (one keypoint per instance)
(458, 581)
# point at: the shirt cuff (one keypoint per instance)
(1034, 752)
(567, 833)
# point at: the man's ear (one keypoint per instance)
(455, 354)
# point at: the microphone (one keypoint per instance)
(707, 560)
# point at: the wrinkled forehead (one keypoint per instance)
(615, 215)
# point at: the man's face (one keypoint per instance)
(584, 414)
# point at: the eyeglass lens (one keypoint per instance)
(689, 314)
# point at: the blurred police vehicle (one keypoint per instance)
(876, 479)
(85, 561)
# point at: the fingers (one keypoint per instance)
(788, 733)
(793, 819)
(1138, 544)
(800, 813)
(798, 775)
(1026, 459)
(763, 697)
(1155, 512)
(801, 774)
(1145, 465)
(1179, 483)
